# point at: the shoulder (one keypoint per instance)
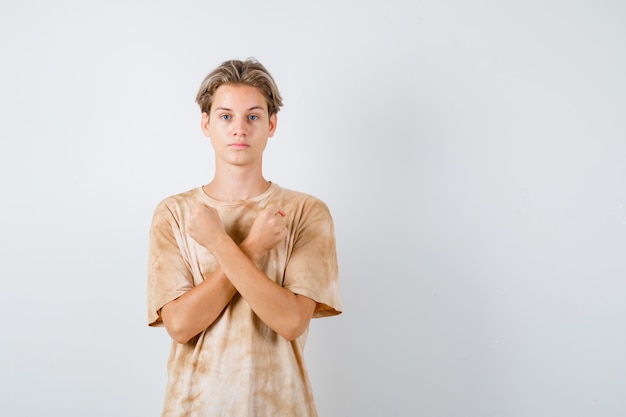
(176, 203)
(180, 198)
(299, 198)
(302, 205)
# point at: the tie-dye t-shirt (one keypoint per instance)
(239, 366)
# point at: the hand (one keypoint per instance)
(267, 231)
(205, 226)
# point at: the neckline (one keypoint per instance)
(204, 196)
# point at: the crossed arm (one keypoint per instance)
(286, 313)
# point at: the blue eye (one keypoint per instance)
(225, 117)
(253, 117)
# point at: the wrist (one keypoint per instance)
(219, 244)
(249, 251)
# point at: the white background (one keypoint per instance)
(473, 154)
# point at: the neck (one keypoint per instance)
(236, 186)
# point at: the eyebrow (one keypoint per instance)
(251, 108)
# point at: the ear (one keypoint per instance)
(204, 124)
(273, 122)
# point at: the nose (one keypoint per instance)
(239, 127)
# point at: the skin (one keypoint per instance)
(239, 127)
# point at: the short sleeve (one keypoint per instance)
(312, 269)
(169, 275)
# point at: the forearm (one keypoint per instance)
(283, 311)
(198, 308)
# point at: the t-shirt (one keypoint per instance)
(239, 366)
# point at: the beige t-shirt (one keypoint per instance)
(239, 366)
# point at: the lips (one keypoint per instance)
(239, 145)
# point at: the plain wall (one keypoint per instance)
(473, 155)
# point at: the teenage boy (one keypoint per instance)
(239, 266)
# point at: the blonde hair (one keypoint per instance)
(249, 72)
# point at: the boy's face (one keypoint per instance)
(239, 125)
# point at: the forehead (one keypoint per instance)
(238, 97)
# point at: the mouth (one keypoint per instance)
(239, 145)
